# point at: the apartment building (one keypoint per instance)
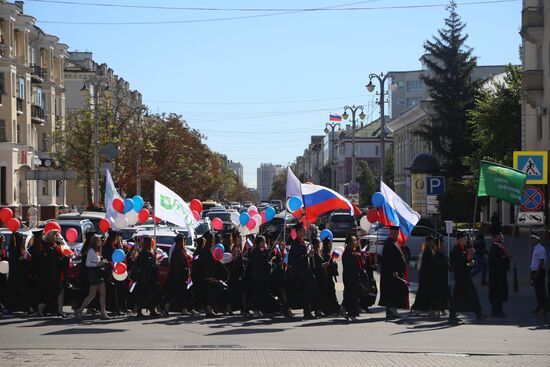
(265, 174)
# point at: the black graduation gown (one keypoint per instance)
(261, 299)
(19, 280)
(351, 276)
(424, 295)
(176, 291)
(499, 265)
(56, 266)
(465, 297)
(439, 272)
(236, 280)
(302, 279)
(393, 292)
(39, 275)
(145, 274)
(325, 271)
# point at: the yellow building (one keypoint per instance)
(32, 105)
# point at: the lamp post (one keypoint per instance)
(332, 126)
(99, 83)
(353, 109)
(370, 87)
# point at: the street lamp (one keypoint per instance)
(393, 87)
(332, 126)
(353, 109)
(99, 83)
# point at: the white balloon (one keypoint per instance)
(235, 218)
(252, 207)
(4, 267)
(120, 277)
(258, 219)
(120, 222)
(132, 217)
(364, 223)
(227, 258)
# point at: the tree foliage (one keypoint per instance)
(278, 188)
(452, 91)
(369, 183)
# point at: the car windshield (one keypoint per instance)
(341, 219)
(165, 240)
(225, 217)
(65, 227)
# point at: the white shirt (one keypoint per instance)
(539, 253)
(92, 259)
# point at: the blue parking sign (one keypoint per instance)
(435, 185)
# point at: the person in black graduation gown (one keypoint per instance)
(465, 297)
(19, 274)
(117, 291)
(303, 280)
(261, 301)
(424, 295)
(439, 272)
(351, 274)
(394, 291)
(499, 265)
(39, 271)
(329, 301)
(145, 273)
(3, 277)
(176, 290)
(237, 295)
(205, 281)
(57, 264)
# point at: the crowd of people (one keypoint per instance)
(263, 278)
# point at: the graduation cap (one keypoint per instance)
(38, 232)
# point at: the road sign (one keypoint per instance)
(435, 185)
(532, 199)
(51, 174)
(534, 164)
(530, 219)
(432, 209)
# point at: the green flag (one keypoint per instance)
(501, 182)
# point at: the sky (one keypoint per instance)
(259, 87)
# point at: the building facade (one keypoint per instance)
(32, 108)
(411, 90)
(265, 174)
(237, 168)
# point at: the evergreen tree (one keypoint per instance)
(452, 91)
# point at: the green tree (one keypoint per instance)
(450, 64)
(369, 183)
(278, 188)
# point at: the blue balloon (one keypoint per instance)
(269, 213)
(220, 246)
(118, 256)
(378, 200)
(244, 218)
(294, 203)
(326, 233)
(138, 203)
(128, 205)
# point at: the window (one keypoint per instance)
(413, 85)
(44, 142)
(400, 83)
(37, 98)
(18, 128)
(20, 87)
(44, 187)
(2, 131)
(2, 81)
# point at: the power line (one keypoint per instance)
(269, 14)
(253, 103)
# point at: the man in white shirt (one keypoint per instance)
(538, 263)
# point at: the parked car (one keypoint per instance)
(7, 234)
(208, 204)
(82, 227)
(340, 224)
(93, 217)
(228, 225)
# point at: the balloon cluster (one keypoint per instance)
(130, 211)
(6, 214)
(120, 272)
(378, 201)
(252, 219)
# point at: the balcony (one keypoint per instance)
(533, 87)
(19, 104)
(38, 73)
(532, 24)
(38, 116)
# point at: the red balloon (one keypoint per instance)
(251, 224)
(14, 224)
(372, 215)
(104, 225)
(6, 214)
(118, 205)
(252, 212)
(52, 226)
(217, 224)
(196, 215)
(71, 235)
(196, 205)
(143, 215)
(264, 219)
(217, 254)
(120, 268)
(297, 213)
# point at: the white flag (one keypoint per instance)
(293, 185)
(172, 208)
(110, 195)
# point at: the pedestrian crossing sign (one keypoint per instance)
(534, 164)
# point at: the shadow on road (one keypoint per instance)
(248, 331)
(77, 331)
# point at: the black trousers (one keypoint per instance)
(540, 290)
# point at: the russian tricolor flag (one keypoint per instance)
(319, 200)
(334, 117)
(396, 212)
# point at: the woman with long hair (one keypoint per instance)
(117, 291)
(39, 271)
(145, 274)
(176, 290)
(57, 264)
(327, 287)
(96, 278)
(237, 294)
